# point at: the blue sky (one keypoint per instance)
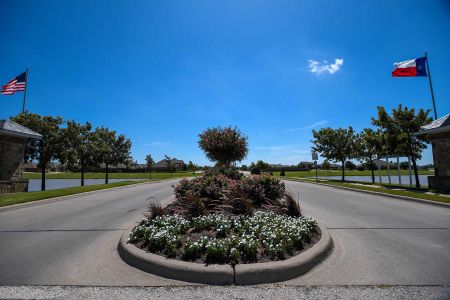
(162, 71)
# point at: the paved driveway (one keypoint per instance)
(378, 240)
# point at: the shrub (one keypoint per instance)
(282, 173)
(255, 171)
(223, 145)
(230, 172)
(293, 208)
(154, 210)
(257, 188)
(241, 206)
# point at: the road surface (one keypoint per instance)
(378, 240)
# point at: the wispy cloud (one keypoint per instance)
(320, 123)
(318, 68)
(281, 150)
(158, 144)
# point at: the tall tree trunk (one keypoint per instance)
(416, 174)
(371, 168)
(82, 171)
(43, 177)
(343, 170)
(106, 177)
(150, 173)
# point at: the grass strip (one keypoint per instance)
(413, 193)
(90, 175)
(16, 198)
(322, 173)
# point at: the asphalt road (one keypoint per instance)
(378, 240)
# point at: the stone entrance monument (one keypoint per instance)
(13, 138)
(438, 132)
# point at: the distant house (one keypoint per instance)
(176, 163)
(279, 167)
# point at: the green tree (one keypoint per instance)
(169, 164)
(325, 165)
(335, 144)
(369, 148)
(79, 146)
(398, 130)
(110, 149)
(263, 166)
(150, 162)
(192, 167)
(50, 147)
(223, 145)
(349, 165)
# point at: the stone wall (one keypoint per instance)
(441, 154)
(13, 186)
(11, 156)
(441, 159)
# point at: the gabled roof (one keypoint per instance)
(437, 126)
(10, 128)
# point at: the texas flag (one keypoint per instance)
(410, 68)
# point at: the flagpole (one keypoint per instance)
(431, 86)
(25, 92)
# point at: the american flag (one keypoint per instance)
(17, 84)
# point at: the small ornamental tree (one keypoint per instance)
(79, 146)
(149, 162)
(335, 144)
(369, 148)
(110, 149)
(398, 131)
(223, 145)
(50, 147)
(169, 164)
(192, 167)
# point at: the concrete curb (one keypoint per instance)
(424, 201)
(244, 274)
(66, 197)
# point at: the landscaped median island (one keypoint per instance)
(223, 220)
(226, 239)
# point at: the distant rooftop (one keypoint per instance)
(10, 128)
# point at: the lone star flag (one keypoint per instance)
(16, 84)
(410, 68)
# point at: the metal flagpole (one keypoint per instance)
(431, 86)
(25, 92)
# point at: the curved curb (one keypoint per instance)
(244, 274)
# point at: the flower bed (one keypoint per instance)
(226, 239)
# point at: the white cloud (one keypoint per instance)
(158, 144)
(309, 126)
(318, 68)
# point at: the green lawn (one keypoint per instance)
(27, 175)
(15, 198)
(312, 173)
(392, 189)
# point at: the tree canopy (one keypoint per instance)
(369, 147)
(398, 131)
(223, 145)
(335, 144)
(50, 147)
